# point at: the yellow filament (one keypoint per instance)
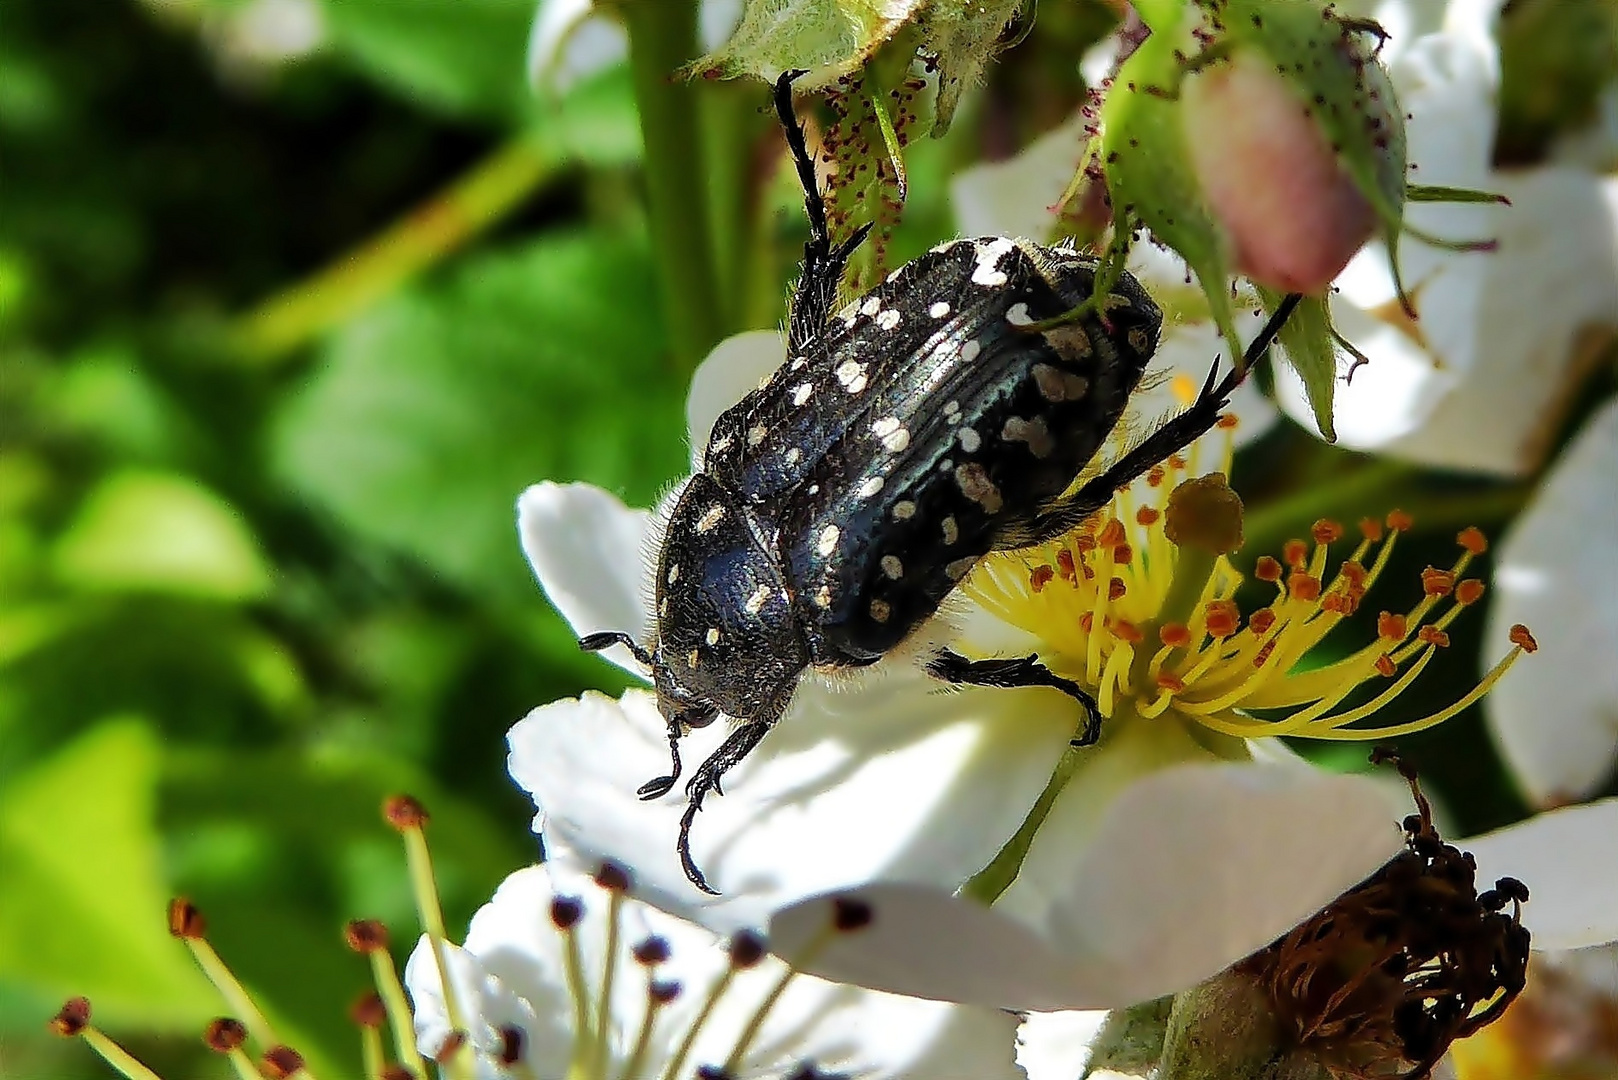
(1477, 692)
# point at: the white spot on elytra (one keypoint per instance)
(969, 351)
(814, 489)
(691, 658)
(960, 568)
(828, 540)
(851, 374)
(952, 531)
(797, 364)
(673, 574)
(904, 510)
(1058, 385)
(720, 445)
(892, 567)
(975, 484)
(1033, 432)
(1017, 315)
(872, 305)
(870, 487)
(850, 315)
(793, 455)
(881, 610)
(802, 392)
(952, 411)
(823, 596)
(755, 603)
(894, 435)
(939, 309)
(710, 517)
(988, 272)
(970, 440)
(713, 635)
(887, 319)
(756, 433)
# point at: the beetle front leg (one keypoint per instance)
(659, 786)
(951, 667)
(737, 745)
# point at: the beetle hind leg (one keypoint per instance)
(952, 667)
(737, 745)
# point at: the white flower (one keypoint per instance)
(1557, 725)
(570, 40)
(572, 979)
(889, 779)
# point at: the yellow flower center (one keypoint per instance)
(1138, 606)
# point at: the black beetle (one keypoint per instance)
(941, 416)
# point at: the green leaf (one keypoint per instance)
(463, 57)
(82, 911)
(1311, 349)
(428, 417)
(829, 38)
(161, 532)
(964, 34)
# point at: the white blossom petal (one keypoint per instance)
(1568, 858)
(895, 781)
(587, 551)
(486, 1006)
(1555, 715)
(1177, 372)
(570, 41)
(1495, 374)
(1057, 1045)
(1190, 869)
(734, 368)
(1017, 197)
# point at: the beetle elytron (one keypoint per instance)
(923, 426)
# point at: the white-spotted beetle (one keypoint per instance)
(925, 425)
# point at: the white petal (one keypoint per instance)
(894, 780)
(1017, 197)
(734, 368)
(1569, 860)
(1190, 869)
(1555, 714)
(586, 548)
(485, 1006)
(569, 42)
(1177, 371)
(1194, 867)
(1056, 1045)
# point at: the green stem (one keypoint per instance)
(663, 37)
(987, 884)
(270, 332)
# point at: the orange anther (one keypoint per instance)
(1386, 667)
(1227, 421)
(1115, 588)
(1089, 572)
(1267, 568)
(1346, 602)
(1064, 566)
(1524, 640)
(1399, 521)
(1041, 576)
(1353, 572)
(1432, 635)
(1295, 553)
(1175, 461)
(1223, 618)
(1264, 653)
(1305, 587)
(1155, 475)
(1085, 544)
(1473, 540)
(1171, 682)
(1332, 602)
(1112, 533)
(1261, 621)
(1469, 591)
(1124, 630)
(1371, 529)
(1087, 622)
(1175, 635)
(1436, 582)
(1326, 531)
(1390, 627)
(1146, 516)
(1122, 554)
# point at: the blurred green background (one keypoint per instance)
(290, 311)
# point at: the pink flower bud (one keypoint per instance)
(1292, 216)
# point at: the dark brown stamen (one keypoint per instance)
(612, 877)
(850, 914)
(366, 935)
(746, 949)
(566, 911)
(73, 1018)
(368, 1011)
(225, 1034)
(185, 920)
(281, 1062)
(511, 1044)
(404, 812)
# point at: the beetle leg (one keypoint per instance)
(659, 786)
(815, 294)
(607, 639)
(737, 745)
(952, 667)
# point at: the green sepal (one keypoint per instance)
(1149, 173)
(963, 34)
(1311, 349)
(1130, 1040)
(1440, 193)
(827, 38)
